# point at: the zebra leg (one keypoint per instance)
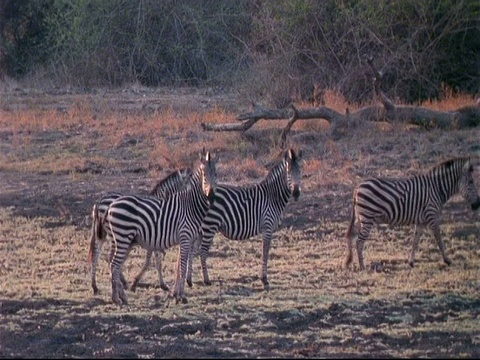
(267, 236)
(416, 241)
(362, 236)
(179, 288)
(193, 252)
(119, 296)
(142, 271)
(95, 256)
(441, 245)
(118, 291)
(159, 255)
(349, 239)
(206, 242)
(122, 277)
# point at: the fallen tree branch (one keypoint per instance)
(464, 117)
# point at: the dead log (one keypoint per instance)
(468, 116)
(259, 113)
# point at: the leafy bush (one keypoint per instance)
(270, 50)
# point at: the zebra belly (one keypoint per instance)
(238, 233)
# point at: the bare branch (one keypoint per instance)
(290, 123)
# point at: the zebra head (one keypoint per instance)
(208, 174)
(293, 163)
(467, 186)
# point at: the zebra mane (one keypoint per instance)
(181, 173)
(454, 164)
(275, 170)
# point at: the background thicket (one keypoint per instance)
(274, 50)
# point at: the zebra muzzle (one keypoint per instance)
(476, 205)
(296, 192)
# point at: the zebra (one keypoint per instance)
(240, 213)
(168, 185)
(417, 201)
(157, 224)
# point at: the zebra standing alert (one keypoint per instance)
(415, 201)
(157, 224)
(170, 184)
(243, 212)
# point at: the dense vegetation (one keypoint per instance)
(271, 49)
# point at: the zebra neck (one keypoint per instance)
(277, 184)
(446, 182)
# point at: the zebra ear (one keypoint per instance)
(299, 154)
(291, 154)
(475, 159)
(468, 166)
(205, 155)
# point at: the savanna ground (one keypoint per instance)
(60, 151)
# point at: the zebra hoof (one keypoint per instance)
(164, 287)
(189, 283)
(117, 301)
(182, 300)
(179, 299)
(447, 261)
(207, 282)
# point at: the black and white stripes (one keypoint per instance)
(173, 182)
(413, 201)
(242, 212)
(157, 224)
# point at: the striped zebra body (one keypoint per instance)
(414, 201)
(240, 213)
(157, 224)
(168, 185)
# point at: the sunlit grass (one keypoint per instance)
(45, 258)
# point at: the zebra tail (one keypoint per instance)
(96, 232)
(349, 232)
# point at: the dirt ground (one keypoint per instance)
(315, 308)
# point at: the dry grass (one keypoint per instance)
(59, 154)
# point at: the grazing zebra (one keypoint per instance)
(240, 213)
(415, 201)
(170, 184)
(157, 224)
